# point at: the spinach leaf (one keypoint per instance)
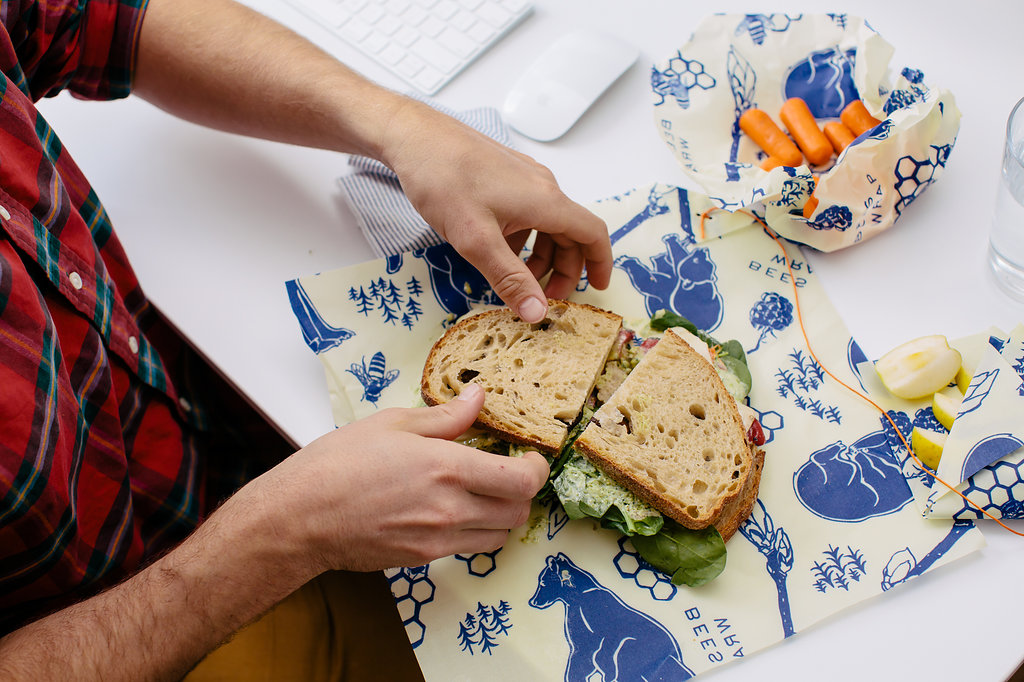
(691, 557)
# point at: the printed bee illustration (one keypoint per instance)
(373, 377)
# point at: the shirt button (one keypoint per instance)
(185, 404)
(76, 280)
(4, 213)
(133, 344)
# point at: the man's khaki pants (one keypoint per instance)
(341, 626)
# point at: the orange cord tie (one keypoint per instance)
(800, 319)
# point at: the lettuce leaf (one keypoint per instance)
(691, 557)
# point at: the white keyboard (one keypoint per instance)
(423, 42)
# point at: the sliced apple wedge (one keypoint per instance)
(928, 446)
(918, 368)
(946, 404)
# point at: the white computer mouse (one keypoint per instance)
(563, 81)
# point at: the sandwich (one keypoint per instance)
(643, 429)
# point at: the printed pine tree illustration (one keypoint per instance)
(413, 287)
(363, 301)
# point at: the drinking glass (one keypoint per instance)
(1006, 243)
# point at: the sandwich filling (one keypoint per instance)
(690, 556)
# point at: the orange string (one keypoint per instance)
(803, 330)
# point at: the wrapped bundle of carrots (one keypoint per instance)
(808, 140)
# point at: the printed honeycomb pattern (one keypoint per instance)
(630, 566)
(1000, 486)
(480, 564)
(412, 589)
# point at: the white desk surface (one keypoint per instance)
(215, 224)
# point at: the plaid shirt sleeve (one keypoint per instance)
(86, 46)
(104, 440)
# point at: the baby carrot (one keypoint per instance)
(762, 130)
(770, 162)
(839, 135)
(856, 117)
(812, 201)
(804, 129)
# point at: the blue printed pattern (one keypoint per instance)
(772, 542)
(770, 315)
(316, 332)
(396, 304)
(676, 81)
(903, 565)
(480, 630)
(852, 483)
(757, 26)
(800, 381)
(838, 569)
(606, 637)
(480, 564)
(631, 566)
(412, 589)
(374, 377)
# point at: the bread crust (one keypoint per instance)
(630, 458)
(581, 362)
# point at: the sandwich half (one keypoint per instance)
(672, 434)
(536, 377)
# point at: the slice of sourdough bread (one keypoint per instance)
(536, 377)
(672, 434)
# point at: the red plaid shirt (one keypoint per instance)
(100, 436)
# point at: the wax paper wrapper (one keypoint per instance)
(834, 523)
(983, 458)
(735, 62)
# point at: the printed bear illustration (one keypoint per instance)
(608, 639)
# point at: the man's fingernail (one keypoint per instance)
(532, 310)
(469, 392)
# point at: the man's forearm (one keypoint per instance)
(160, 622)
(223, 65)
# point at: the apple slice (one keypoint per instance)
(946, 404)
(918, 368)
(928, 446)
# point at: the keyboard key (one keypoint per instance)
(435, 55)
(458, 43)
(494, 15)
(424, 42)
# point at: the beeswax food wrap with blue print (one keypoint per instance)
(983, 457)
(834, 523)
(735, 62)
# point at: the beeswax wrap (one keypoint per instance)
(983, 458)
(738, 61)
(834, 523)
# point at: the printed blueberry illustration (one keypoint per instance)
(989, 450)
(825, 81)
(903, 97)
(742, 83)
(680, 280)
(316, 332)
(374, 377)
(412, 589)
(481, 629)
(757, 26)
(632, 566)
(774, 544)
(852, 483)
(838, 218)
(607, 638)
(800, 381)
(913, 176)
(770, 315)
(923, 418)
(838, 569)
(902, 565)
(457, 285)
(681, 76)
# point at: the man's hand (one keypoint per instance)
(393, 490)
(485, 199)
